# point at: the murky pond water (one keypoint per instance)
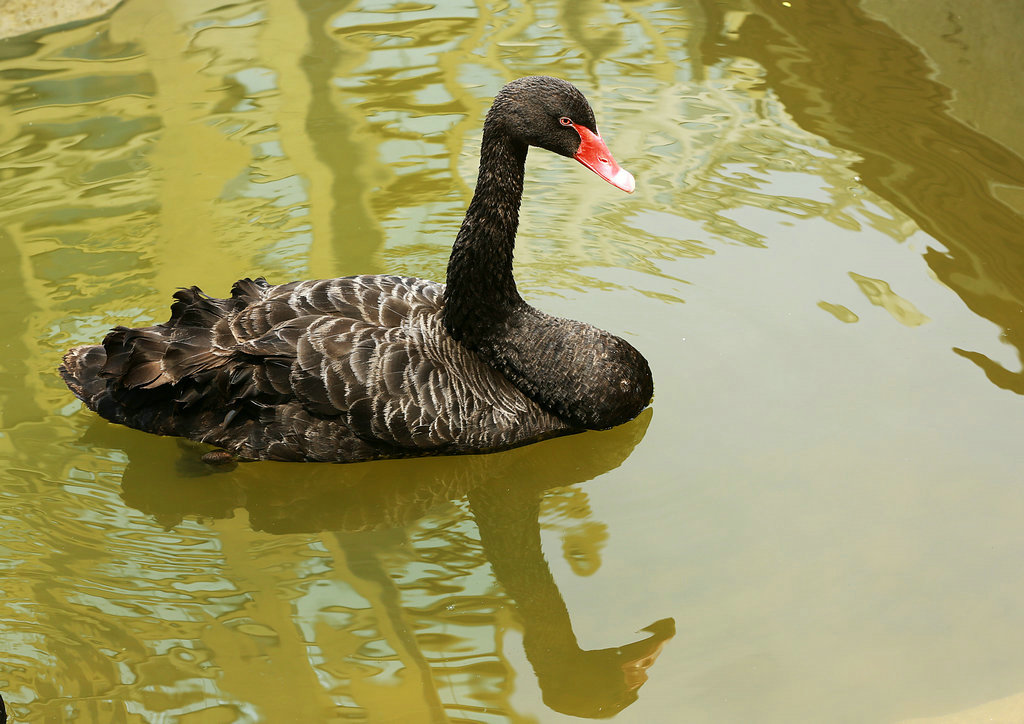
(818, 520)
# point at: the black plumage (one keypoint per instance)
(369, 367)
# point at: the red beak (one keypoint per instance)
(593, 154)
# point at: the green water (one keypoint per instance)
(823, 262)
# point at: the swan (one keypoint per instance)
(371, 367)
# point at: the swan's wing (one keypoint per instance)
(383, 363)
(411, 386)
(357, 355)
(259, 325)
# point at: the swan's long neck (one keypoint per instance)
(586, 377)
(481, 290)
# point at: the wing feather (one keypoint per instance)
(339, 369)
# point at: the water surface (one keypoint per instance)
(818, 520)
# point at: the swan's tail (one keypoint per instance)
(82, 369)
(81, 372)
(146, 377)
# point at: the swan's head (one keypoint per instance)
(553, 114)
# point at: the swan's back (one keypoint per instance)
(348, 369)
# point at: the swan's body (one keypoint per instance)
(368, 367)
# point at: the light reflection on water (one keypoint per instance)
(823, 497)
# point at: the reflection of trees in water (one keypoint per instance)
(914, 153)
(567, 510)
(420, 583)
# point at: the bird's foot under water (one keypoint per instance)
(222, 460)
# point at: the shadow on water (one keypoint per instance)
(835, 69)
(363, 504)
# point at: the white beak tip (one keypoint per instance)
(624, 180)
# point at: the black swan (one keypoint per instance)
(371, 367)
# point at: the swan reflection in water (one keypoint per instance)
(365, 505)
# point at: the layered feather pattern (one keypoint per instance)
(345, 369)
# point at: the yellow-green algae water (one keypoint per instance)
(823, 262)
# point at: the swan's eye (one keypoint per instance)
(565, 121)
